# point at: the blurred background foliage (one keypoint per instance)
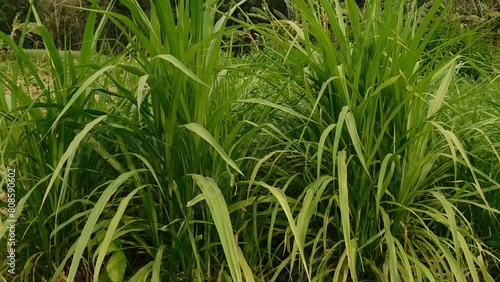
(67, 24)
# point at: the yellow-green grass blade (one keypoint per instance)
(203, 133)
(174, 61)
(282, 200)
(453, 143)
(381, 187)
(438, 100)
(308, 209)
(247, 271)
(220, 215)
(345, 214)
(142, 274)
(353, 132)
(321, 146)
(274, 105)
(157, 265)
(392, 259)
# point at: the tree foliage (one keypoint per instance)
(8, 10)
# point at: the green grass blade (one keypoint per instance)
(174, 61)
(93, 217)
(345, 215)
(103, 247)
(157, 265)
(220, 215)
(70, 152)
(282, 200)
(203, 133)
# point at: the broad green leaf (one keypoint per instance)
(116, 266)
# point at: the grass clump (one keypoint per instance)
(348, 147)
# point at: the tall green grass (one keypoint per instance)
(345, 148)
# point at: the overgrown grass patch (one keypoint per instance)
(349, 147)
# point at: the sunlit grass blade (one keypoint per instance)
(220, 215)
(345, 213)
(281, 198)
(157, 265)
(203, 133)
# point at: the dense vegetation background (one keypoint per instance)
(67, 24)
(219, 141)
